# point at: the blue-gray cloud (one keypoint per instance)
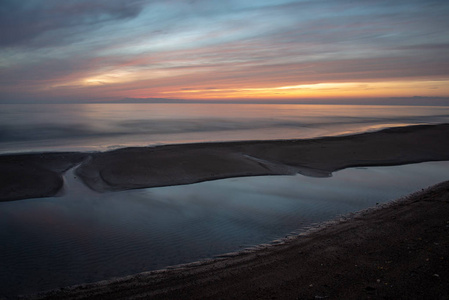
(23, 22)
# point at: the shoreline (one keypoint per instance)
(36, 175)
(338, 259)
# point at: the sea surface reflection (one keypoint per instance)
(81, 127)
(84, 236)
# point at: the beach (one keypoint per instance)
(40, 175)
(396, 250)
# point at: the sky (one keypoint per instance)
(103, 50)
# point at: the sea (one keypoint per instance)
(82, 236)
(102, 127)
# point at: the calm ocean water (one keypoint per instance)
(63, 127)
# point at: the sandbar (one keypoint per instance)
(34, 175)
(40, 174)
(143, 167)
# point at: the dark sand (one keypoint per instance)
(40, 175)
(399, 251)
(131, 168)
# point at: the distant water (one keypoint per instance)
(45, 127)
(85, 236)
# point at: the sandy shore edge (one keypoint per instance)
(40, 175)
(398, 250)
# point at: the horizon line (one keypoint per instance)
(415, 100)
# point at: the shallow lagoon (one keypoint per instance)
(84, 236)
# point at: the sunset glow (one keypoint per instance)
(328, 90)
(274, 49)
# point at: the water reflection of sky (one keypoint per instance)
(84, 236)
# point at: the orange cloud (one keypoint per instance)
(321, 90)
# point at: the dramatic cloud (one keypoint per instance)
(112, 49)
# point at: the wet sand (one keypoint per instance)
(40, 175)
(397, 251)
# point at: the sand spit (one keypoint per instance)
(38, 175)
(131, 168)
(397, 251)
